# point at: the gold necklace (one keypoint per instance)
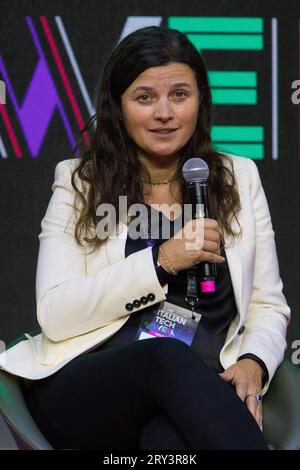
(168, 180)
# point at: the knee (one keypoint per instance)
(167, 352)
(172, 346)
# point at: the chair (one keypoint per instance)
(14, 410)
(280, 406)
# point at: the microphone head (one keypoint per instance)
(195, 170)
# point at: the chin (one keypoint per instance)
(164, 151)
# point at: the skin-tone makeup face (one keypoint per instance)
(167, 98)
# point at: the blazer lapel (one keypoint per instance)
(236, 273)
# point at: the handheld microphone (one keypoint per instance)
(195, 172)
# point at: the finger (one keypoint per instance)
(212, 235)
(211, 224)
(259, 414)
(227, 375)
(252, 407)
(241, 390)
(198, 229)
(211, 247)
(194, 229)
(210, 257)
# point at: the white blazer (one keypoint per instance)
(81, 297)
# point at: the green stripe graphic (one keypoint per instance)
(232, 79)
(207, 24)
(227, 41)
(237, 133)
(255, 151)
(224, 96)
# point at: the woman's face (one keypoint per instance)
(164, 97)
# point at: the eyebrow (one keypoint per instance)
(175, 85)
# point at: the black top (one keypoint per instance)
(217, 309)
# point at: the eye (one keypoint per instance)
(181, 93)
(143, 96)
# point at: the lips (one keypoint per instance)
(163, 131)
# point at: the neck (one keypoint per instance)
(160, 168)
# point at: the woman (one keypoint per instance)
(93, 383)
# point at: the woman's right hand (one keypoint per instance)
(197, 241)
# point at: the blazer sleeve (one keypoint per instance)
(268, 314)
(69, 301)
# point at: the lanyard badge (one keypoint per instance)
(169, 321)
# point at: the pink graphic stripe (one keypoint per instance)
(64, 78)
(10, 131)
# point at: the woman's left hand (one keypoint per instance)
(246, 375)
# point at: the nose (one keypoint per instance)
(163, 110)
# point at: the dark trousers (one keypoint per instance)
(150, 394)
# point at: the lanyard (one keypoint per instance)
(191, 297)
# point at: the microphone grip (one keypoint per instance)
(206, 272)
(198, 195)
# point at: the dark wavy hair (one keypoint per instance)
(110, 167)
